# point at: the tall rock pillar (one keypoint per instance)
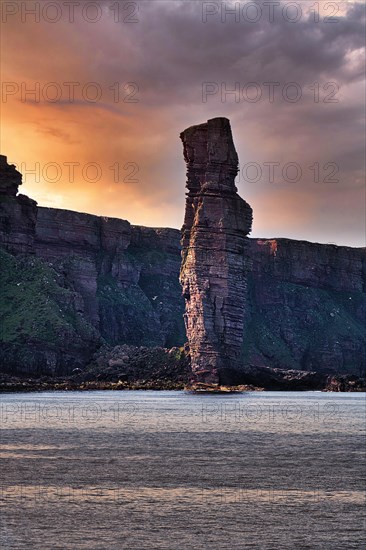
(214, 237)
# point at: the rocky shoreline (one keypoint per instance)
(125, 368)
(30, 385)
(21, 385)
(119, 368)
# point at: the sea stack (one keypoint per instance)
(214, 238)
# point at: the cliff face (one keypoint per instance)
(71, 281)
(307, 306)
(125, 275)
(216, 224)
(18, 213)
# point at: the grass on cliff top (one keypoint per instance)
(33, 305)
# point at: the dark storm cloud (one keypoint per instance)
(169, 54)
(177, 51)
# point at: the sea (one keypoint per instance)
(175, 470)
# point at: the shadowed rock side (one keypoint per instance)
(307, 307)
(214, 238)
(18, 213)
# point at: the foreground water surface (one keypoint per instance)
(172, 470)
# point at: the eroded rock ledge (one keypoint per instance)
(214, 238)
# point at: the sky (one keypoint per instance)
(94, 96)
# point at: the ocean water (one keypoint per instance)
(173, 470)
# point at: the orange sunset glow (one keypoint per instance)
(92, 109)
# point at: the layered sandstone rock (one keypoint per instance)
(10, 178)
(307, 306)
(70, 281)
(126, 276)
(214, 237)
(18, 213)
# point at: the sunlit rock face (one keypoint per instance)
(214, 239)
